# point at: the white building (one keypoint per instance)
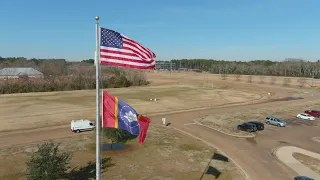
(7, 73)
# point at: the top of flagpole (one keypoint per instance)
(97, 18)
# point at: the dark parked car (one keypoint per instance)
(247, 127)
(260, 125)
(302, 178)
(313, 113)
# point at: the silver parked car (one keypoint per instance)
(275, 121)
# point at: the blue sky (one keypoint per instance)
(173, 29)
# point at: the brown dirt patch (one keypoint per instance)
(308, 161)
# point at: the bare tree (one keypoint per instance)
(249, 79)
(52, 67)
(238, 77)
(286, 82)
(301, 82)
(224, 76)
(273, 80)
(136, 77)
(262, 79)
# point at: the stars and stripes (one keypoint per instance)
(119, 50)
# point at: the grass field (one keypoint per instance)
(35, 110)
(310, 162)
(165, 155)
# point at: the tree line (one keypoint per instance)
(289, 67)
(60, 75)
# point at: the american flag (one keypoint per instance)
(119, 50)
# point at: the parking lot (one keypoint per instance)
(298, 132)
(300, 122)
(291, 122)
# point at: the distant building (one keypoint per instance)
(15, 73)
(165, 65)
(183, 69)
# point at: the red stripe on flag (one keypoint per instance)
(140, 45)
(146, 55)
(126, 59)
(118, 52)
(125, 53)
(127, 65)
(136, 52)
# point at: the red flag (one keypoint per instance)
(144, 124)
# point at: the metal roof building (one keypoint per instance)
(17, 72)
(165, 65)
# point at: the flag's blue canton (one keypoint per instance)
(110, 38)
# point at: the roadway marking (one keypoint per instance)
(243, 172)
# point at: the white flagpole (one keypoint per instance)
(97, 59)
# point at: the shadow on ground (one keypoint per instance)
(252, 141)
(288, 99)
(212, 170)
(89, 171)
(220, 157)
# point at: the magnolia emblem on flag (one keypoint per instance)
(130, 119)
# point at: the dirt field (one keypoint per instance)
(310, 162)
(172, 155)
(165, 155)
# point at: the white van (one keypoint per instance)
(82, 125)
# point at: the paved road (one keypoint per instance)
(284, 154)
(252, 154)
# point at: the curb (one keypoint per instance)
(242, 171)
(274, 154)
(238, 136)
(316, 139)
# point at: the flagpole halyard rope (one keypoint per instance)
(101, 85)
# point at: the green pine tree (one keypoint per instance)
(48, 163)
(117, 135)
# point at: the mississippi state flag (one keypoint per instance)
(118, 114)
